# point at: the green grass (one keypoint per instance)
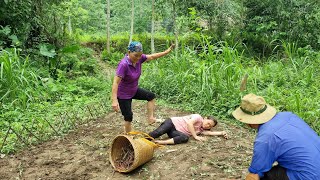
(17, 78)
(210, 83)
(33, 101)
(205, 81)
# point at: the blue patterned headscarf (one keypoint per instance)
(135, 46)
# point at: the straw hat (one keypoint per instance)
(254, 110)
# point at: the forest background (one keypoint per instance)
(51, 52)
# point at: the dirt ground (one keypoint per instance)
(84, 153)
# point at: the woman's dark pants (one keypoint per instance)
(168, 127)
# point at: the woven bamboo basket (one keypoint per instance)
(142, 148)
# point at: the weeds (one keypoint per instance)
(17, 79)
(210, 84)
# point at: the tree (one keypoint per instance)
(175, 27)
(32, 21)
(152, 28)
(285, 20)
(132, 20)
(108, 26)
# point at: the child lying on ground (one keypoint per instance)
(179, 129)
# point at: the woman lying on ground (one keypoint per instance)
(179, 129)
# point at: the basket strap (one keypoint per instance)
(138, 132)
(145, 138)
(152, 143)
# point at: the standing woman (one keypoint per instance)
(125, 83)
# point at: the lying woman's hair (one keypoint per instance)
(214, 119)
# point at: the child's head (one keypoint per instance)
(209, 122)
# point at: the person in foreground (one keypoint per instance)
(283, 139)
(180, 128)
(125, 84)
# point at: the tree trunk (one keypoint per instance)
(175, 28)
(132, 18)
(108, 26)
(152, 29)
(141, 8)
(69, 26)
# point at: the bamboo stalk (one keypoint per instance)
(31, 132)
(89, 111)
(243, 85)
(52, 127)
(5, 138)
(70, 119)
(19, 137)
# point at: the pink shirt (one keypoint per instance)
(180, 123)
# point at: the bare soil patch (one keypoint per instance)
(84, 153)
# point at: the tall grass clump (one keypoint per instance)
(208, 81)
(289, 88)
(17, 81)
(36, 105)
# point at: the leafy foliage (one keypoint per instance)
(17, 79)
(32, 21)
(210, 83)
(29, 100)
(290, 21)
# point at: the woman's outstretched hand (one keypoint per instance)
(172, 46)
(224, 134)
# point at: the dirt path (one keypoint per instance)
(84, 154)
